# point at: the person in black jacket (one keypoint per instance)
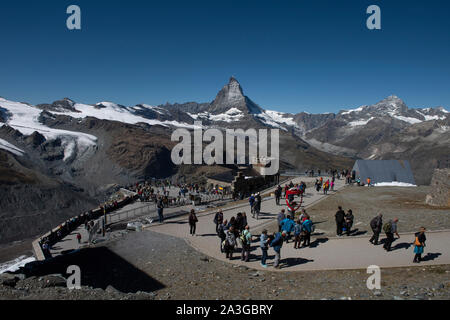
(376, 224)
(218, 219)
(419, 244)
(340, 218)
(221, 233)
(349, 221)
(278, 195)
(193, 222)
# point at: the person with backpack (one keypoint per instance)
(264, 245)
(218, 219)
(340, 218)
(192, 222)
(246, 239)
(297, 234)
(277, 244)
(349, 221)
(222, 233)
(376, 224)
(390, 229)
(326, 186)
(419, 245)
(229, 243)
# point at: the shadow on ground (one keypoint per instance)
(317, 242)
(100, 268)
(431, 256)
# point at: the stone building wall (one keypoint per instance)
(440, 189)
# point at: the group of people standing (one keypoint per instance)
(325, 185)
(344, 221)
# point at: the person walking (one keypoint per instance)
(193, 222)
(264, 245)
(278, 195)
(349, 221)
(218, 219)
(281, 216)
(277, 244)
(340, 218)
(376, 225)
(419, 245)
(390, 229)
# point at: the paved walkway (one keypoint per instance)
(324, 254)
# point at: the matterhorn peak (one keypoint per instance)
(232, 96)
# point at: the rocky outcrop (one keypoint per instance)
(440, 189)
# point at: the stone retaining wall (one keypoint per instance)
(440, 189)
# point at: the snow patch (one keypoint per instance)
(16, 264)
(407, 119)
(5, 145)
(394, 184)
(359, 122)
(25, 118)
(354, 110)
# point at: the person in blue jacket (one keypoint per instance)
(287, 225)
(276, 244)
(307, 229)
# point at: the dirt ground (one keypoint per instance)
(164, 267)
(407, 204)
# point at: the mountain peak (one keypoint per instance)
(232, 96)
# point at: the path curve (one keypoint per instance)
(325, 253)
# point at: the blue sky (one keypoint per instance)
(291, 56)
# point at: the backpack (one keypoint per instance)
(243, 238)
(230, 241)
(387, 227)
(417, 242)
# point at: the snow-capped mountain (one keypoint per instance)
(68, 150)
